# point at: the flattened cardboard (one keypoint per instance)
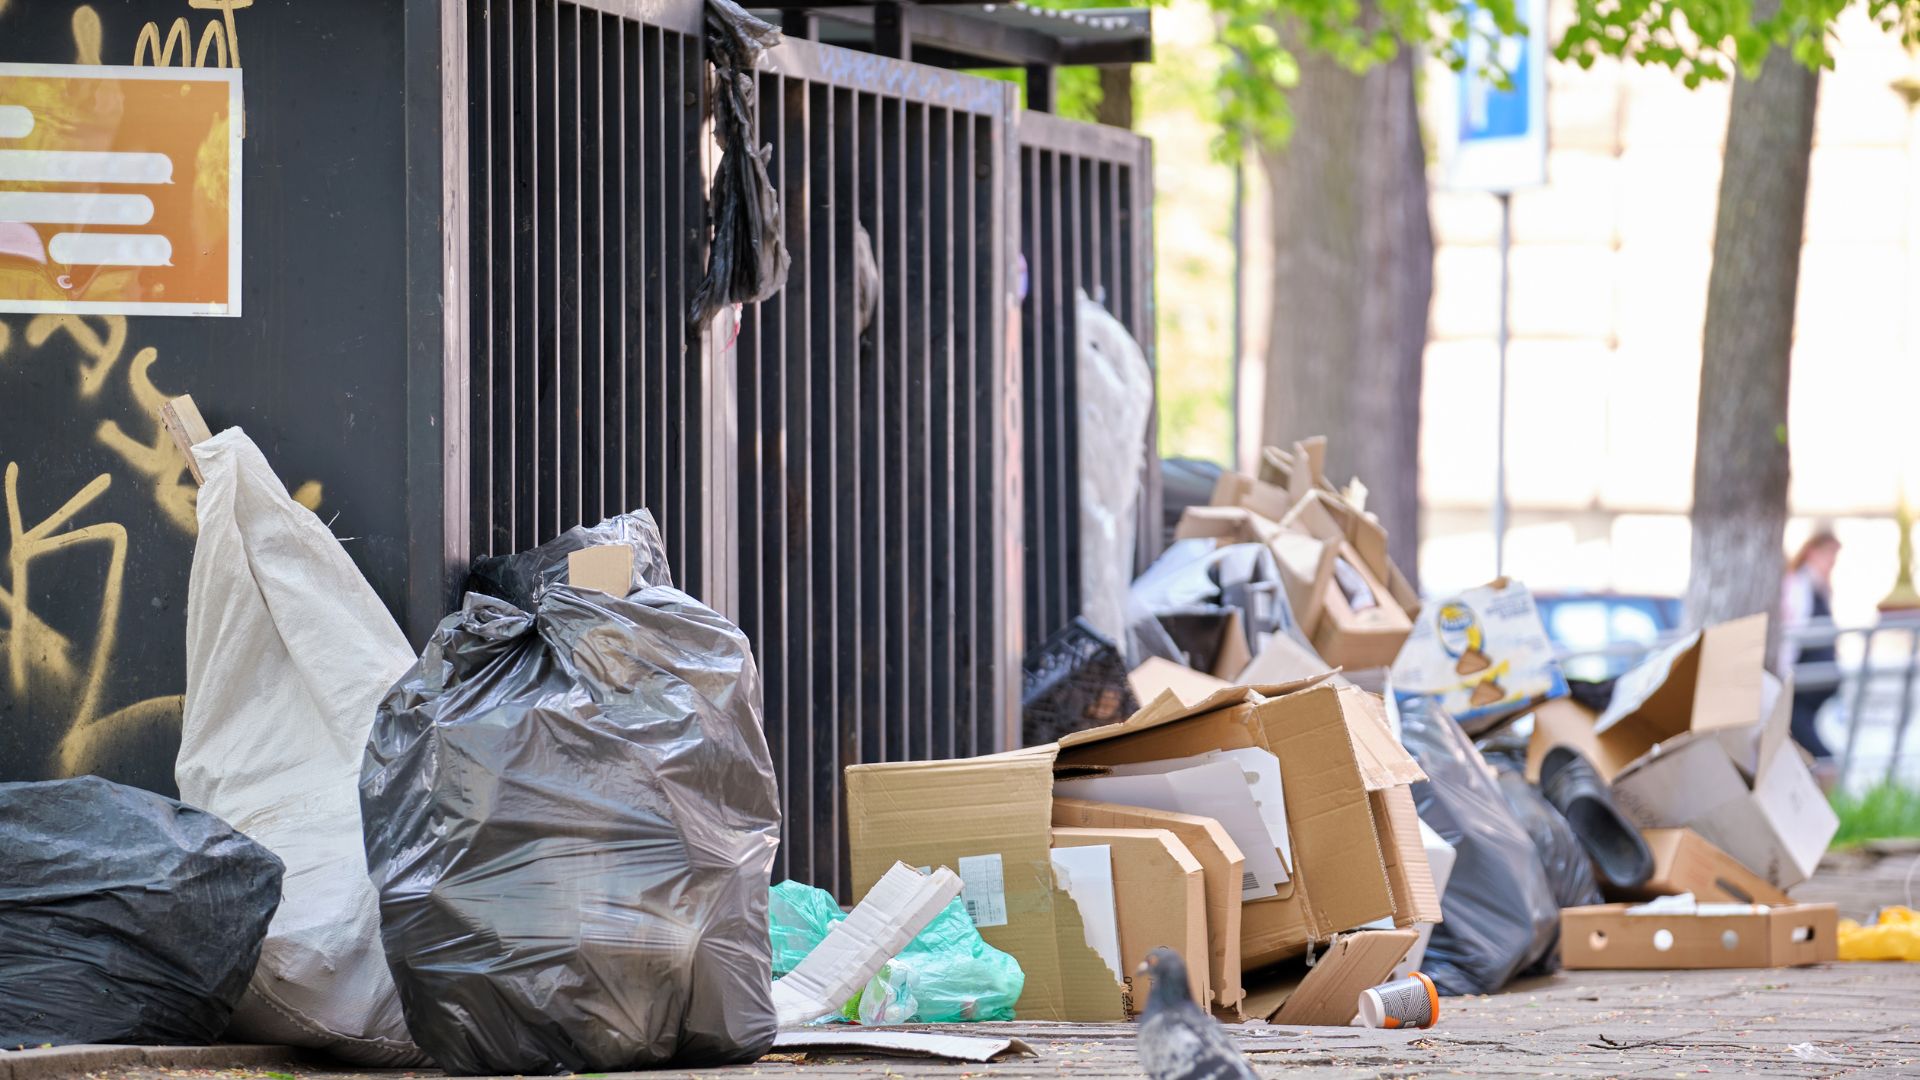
(1221, 866)
(1605, 937)
(607, 568)
(1329, 992)
(1685, 862)
(1282, 659)
(899, 906)
(840, 1039)
(1160, 897)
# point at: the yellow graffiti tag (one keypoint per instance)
(104, 351)
(86, 35)
(157, 459)
(32, 646)
(222, 35)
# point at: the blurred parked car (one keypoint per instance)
(1604, 634)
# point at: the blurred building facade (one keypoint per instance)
(1609, 283)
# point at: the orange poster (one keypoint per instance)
(119, 190)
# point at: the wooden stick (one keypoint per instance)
(182, 420)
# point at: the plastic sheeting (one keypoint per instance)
(1181, 608)
(748, 259)
(1499, 915)
(571, 818)
(1114, 396)
(288, 653)
(125, 917)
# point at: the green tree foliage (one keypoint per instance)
(1707, 40)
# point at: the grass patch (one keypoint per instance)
(1884, 812)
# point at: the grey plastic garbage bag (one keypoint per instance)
(1499, 915)
(125, 917)
(570, 818)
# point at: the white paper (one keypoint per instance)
(1261, 771)
(1216, 790)
(985, 889)
(1086, 873)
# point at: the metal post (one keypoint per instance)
(1500, 510)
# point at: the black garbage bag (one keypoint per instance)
(1561, 854)
(748, 260)
(125, 917)
(1073, 681)
(1499, 915)
(570, 815)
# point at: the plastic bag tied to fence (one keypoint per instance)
(571, 818)
(946, 974)
(288, 653)
(125, 917)
(1115, 399)
(748, 260)
(1499, 915)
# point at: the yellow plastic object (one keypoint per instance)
(1894, 935)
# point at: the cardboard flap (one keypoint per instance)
(1329, 993)
(1727, 684)
(606, 568)
(1384, 763)
(1159, 899)
(1284, 660)
(1327, 810)
(1159, 675)
(1776, 730)
(1169, 707)
(1416, 896)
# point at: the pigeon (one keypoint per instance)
(1177, 1040)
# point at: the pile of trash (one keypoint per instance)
(541, 845)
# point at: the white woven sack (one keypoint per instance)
(288, 654)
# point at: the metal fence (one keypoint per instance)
(1086, 213)
(878, 565)
(589, 394)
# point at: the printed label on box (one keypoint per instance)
(984, 889)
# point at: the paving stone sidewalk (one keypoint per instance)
(1840, 1020)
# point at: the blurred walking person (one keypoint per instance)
(1806, 598)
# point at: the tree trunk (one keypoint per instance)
(1740, 459)
(1352, 283)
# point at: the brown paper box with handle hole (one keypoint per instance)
(1684, 862)
(1605, 937)
(991, 818)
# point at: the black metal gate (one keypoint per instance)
(878, 531)
(1086, 198)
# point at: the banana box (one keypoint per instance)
(1482, 654)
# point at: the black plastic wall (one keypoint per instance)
(316, 370)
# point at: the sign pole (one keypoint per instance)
(1500, 419)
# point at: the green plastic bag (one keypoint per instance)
(948, 974)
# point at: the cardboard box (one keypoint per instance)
(1698, 737)
(1221, 865)
(1158, 675)
(1684, 862)
(1483, 653)
(990, 818)
(1607, 937)
(1328, 993)
(1160, 898)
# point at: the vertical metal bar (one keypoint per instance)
(817, 482)
(893, 425)
(966, 347)
(941, 504)
(876, 706)
(480, 123)
(569, 400)
(553, 322)
(1002, 434)
(794, 437)
(841, 488)
(1058, 237)
(919, 491)
(1905, 715)
(1073, 263)
(1032, 180)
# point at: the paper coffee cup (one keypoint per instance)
(1410, 1002)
